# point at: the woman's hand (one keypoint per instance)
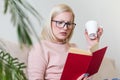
(83, 77)
(96, 40)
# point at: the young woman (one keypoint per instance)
(46, 61)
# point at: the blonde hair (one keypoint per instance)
(47, 33)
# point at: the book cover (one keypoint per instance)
(79, 62)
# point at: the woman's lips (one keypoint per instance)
(63, 33)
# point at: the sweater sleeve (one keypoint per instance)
(36, 63)
(94, 47)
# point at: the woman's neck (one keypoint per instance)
(59, 41)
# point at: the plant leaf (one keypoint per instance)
(19, 10)
(5, 6)
(10, 70)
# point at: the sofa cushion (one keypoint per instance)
(107, 70)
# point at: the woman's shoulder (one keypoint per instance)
(38, 47)
(42, 43)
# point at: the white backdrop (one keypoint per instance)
(106, 12)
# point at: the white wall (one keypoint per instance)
(106, 12)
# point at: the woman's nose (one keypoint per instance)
(65, 26)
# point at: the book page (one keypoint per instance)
(79, 51)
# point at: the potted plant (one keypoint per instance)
(11, 68)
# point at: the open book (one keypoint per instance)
(80, 61)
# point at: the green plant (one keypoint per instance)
(20, 10)
(11, 68)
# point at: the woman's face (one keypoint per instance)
(62, 25)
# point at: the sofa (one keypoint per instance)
(107, 70)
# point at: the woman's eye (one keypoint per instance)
(60, 22)
(68, 23)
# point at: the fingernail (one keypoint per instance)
(86, 75)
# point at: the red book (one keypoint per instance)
(79, 62)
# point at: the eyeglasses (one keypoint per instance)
(62, 24)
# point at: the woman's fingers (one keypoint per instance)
(100, 32)
(83, 77)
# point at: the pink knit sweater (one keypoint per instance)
(47, 64)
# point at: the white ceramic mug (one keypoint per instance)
(92, 28)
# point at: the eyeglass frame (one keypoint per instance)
(69, 25)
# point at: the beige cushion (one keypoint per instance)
(107, 70)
